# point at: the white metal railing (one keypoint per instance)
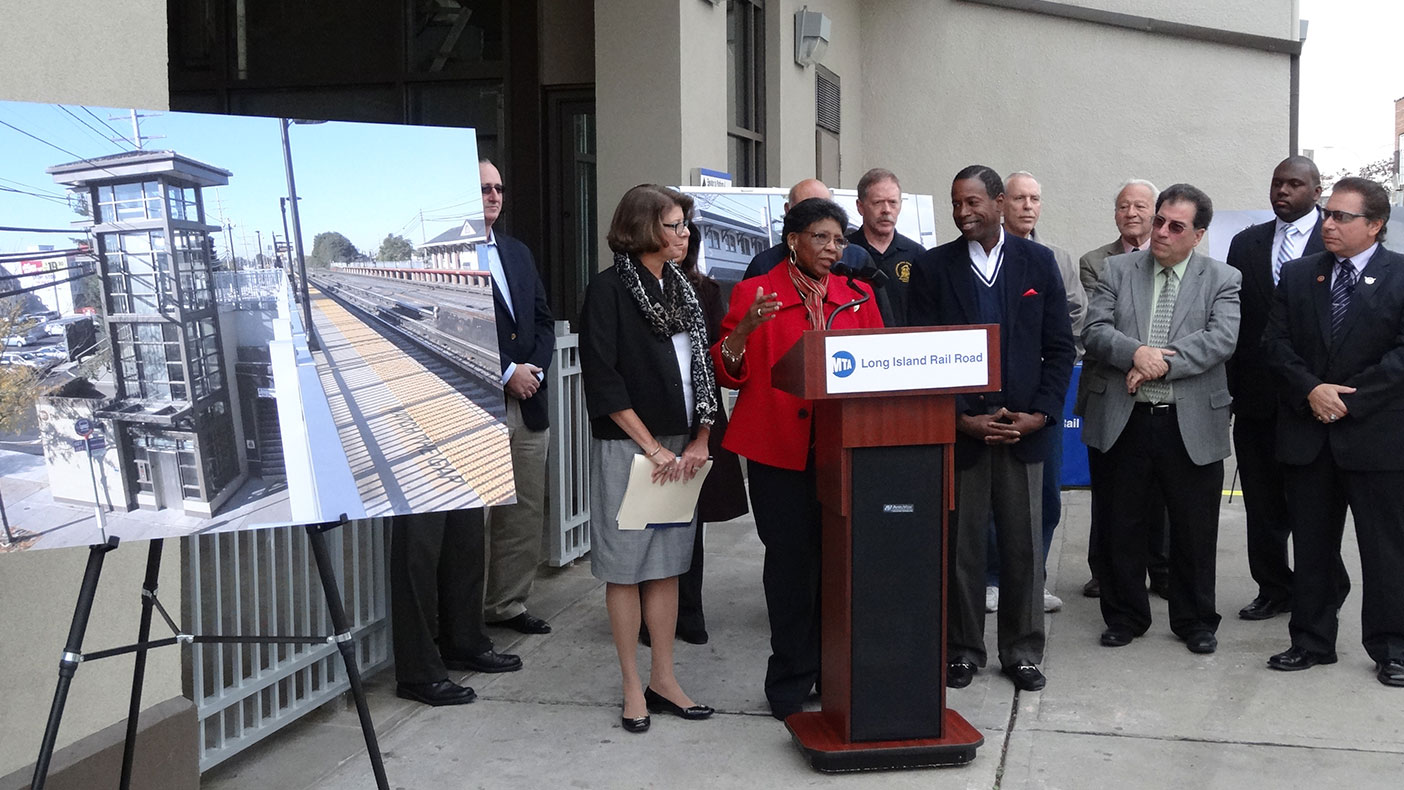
(265, 583)
(249, 289)
(568, 460)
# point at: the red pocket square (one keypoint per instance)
(1031, 292)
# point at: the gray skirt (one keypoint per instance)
(622, 556)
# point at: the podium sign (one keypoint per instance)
(900, 362)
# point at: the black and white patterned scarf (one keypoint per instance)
(677, 311)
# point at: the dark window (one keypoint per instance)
(745, 91)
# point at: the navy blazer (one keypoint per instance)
(1035, 338)
(531, 336)
(1368, 354)
(1251, 382)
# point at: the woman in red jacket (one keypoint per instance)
(774, 431)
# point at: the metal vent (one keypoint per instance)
(828, 109)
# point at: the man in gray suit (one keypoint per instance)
(1161, 325)
(1135, 203)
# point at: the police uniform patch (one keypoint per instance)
(904, 271)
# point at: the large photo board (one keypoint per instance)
(167, 368)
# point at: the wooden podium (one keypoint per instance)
(884, 417)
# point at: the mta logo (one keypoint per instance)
(844, 364)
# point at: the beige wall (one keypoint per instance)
(790, 98)
(1082, 106)
(38, 589)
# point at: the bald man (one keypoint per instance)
(853, 255)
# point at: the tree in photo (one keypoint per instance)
(395, 248)
(330, 247)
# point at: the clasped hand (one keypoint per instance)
(1001, 427)
(667, 468)
(1147, 364)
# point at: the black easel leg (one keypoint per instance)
(72, 654)
(347, 645)
(148, 602)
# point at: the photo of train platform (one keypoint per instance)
(272, 383)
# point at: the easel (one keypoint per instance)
(73, 655)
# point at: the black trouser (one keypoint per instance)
(1157, 537)
(1265, 504)
(436, 591)
(789, 523)
(1317, 496)
(690, 617)
(1150, 456)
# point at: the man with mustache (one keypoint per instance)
(879, 204)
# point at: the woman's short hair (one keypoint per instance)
(637, 226)
(808, 212)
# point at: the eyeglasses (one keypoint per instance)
(1176, 227)
(822, 240)
(680, 228)
(498, 188)
(1341, 217)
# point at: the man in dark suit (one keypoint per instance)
(1133, 209)
(526, 339)
(1161, 325)
(1258, 253)
(989, 277)
(879, 204)
(1336, 340)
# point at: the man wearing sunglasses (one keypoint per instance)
(1161, 325)
(1336, 340)
(1258, 253)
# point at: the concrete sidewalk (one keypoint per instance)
(1151, 715)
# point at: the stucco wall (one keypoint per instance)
(41, 60)
(950, 83)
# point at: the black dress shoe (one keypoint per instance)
(1263, 608)
(489, 661)
(1202, 642)
(1093, 588)
(1026, 677)
(526, 623)
(1391, 672)
(443, 692)
(1117, 637)
(657, 703)
(959, 673)
(1295, 658)
(635, 725)
(784, 710)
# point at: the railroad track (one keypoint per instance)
(410, 319)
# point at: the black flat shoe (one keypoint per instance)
(1202, 642)
(695, 636)
(635, 725)
(1117, 637)
(657, 703)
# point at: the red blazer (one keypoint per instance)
(769, 425)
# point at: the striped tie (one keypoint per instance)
(1158, 390)
(1284, 252)
(1341, 290)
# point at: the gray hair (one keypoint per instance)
(1018, 174)
(1155, 193)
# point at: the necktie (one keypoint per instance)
(1341, 290)
(1284, 251)
(1158, 390)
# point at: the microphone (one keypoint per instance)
(868, 274)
